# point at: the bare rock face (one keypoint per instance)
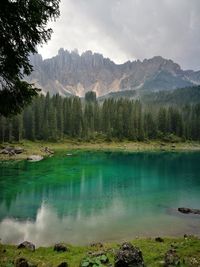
(69, 73)
(27, 245)
(129, 256)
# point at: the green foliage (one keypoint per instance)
(54, 118)
(180, 96)
(90, 96)
(23, 27)
(188, 249)
(94, 261)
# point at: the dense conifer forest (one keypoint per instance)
(54, 118)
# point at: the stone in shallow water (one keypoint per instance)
(129, 256)
(34, 158)
(188, 210)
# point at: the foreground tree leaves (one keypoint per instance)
(22, 27)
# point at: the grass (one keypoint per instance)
(36, 147)
(188, 250)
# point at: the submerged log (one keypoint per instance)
(188, 211)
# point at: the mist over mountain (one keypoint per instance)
(70, 73)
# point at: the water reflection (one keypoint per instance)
(109, 224)
(98, 196)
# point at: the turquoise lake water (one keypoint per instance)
(99, 196)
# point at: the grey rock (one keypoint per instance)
(4, 151)
(159, 239)
(171, 258)
(60, 247)
(73, 74)
(18, 150)
(129, 256)
(27, 245)
(21, 262)
(63, 264)
(34, 158)
(98, 244)
(188, 210)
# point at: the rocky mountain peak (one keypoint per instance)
(72, 73)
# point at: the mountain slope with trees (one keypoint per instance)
(53, 118)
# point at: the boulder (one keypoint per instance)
(27, 245)
(63, 264)
(21, 262)
(8, 150)
(129, 256)
(171, 258)
(60, 247)
(4, 151)
(188, 210)
(47, 150)
(34, 158)
(97, 253)
(159, 239)
(18, 150)
(98, 245)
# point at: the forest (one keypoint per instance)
(54, 118)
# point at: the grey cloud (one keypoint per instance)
(130, 29)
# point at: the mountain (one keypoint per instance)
(69, 73)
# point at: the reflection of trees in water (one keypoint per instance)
(87, 183)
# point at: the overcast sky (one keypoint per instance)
(129, 29)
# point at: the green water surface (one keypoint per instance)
(99, 196)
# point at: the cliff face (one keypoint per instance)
(71, 73)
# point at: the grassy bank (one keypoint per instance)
(188, 249)
(37, 147)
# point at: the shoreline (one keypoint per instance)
(37, 147)
(187, 248)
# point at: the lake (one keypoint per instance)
(99, 196)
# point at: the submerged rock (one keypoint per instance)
(129, 256)
(27, 245)
(188, 210)
(171, 258)
(60, 247)
(34, 158)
